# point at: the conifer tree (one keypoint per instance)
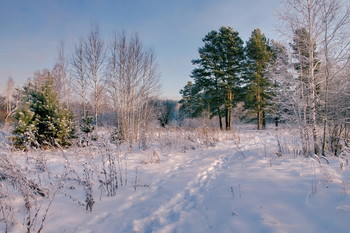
(192, 104)
(41, 120)
(218, 72)
(259, 92)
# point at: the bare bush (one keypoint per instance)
(87, 183)
(108, 174)
(26, 187)
(6, 208)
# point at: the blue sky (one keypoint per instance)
(31, 30)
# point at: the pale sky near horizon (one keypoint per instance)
(31, 30)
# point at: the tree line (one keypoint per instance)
(116, 81)
(228, 72)
(304, 81)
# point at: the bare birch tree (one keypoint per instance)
(79, 82)
(133, 79)
(60, 76)
(315, 27)
(9, 98)
(335, 52)
(94, 58)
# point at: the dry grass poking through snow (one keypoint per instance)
(178, 180)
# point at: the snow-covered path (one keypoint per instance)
(186, 206)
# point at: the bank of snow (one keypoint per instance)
(240, 185)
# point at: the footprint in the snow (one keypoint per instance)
(173, 216)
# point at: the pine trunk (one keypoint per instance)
(229, 108)
(263, 120)
(228, 119)
(260, 119)
(220, 122)
(220, 119)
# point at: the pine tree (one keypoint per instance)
(218, 72)
(259, 92)
(41, 121)
(87, 124)
(192, 104)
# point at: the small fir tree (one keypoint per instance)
(87, 124)
(41, 120)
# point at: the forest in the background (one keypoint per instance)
(303, 81)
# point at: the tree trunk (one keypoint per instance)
(260, 111)
(228, 119)
(263, 120)
(229, 108)
(260, 119)
(276, 122)
(220, 119)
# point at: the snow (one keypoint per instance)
(239, 185)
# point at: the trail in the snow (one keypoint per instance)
(165, 218)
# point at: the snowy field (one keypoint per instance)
(184, 181)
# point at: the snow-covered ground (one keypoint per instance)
(238, 185)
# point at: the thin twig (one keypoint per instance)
(239, 149)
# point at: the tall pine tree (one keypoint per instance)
(260, 88)
(218, 72)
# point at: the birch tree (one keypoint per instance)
(315, 26)
(60, 76)
(94, 60)
(133, 80)
(9, 98)
(336, 55)
(79, 76)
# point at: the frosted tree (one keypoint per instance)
(133, 80)
(60, 76)
(9, 98)
(320, 51)
(278, 73)
(94, 60)
(335, 42)
(165, 111)
(79, 81)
